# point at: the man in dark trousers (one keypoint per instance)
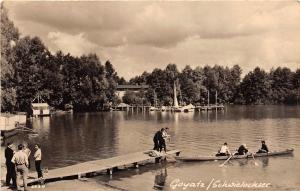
(20, 159)
(10, 166)
(156, 139)
(38, 160)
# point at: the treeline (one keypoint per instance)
(279, 86)
(28, 68)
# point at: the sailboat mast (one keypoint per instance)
(175, 96)
(216, 97)
(155, 99)
(208, 98)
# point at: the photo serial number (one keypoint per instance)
(217, 184)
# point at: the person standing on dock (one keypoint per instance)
(156, 138)
(10, 166)
(38, 160)
(165, 137)
(20, 159)
(162, 140)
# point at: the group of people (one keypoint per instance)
(242, 150)
(18, 164)
(160, 138)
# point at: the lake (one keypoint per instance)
(70, 139)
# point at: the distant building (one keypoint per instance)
(40, 109)
(121, 89)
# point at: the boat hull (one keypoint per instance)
(9, 133)
(213, 158)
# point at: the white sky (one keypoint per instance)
(139, 36)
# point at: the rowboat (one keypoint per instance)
(213, 158)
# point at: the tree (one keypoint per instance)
(139, 79)
(135, 98)
(191, 84)
(9, 37)
(31, 57)
(256, 87)
(234, 84)
(112, 78)
(296, 83)
(282, 84)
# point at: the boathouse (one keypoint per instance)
(121, 89)
(40, 109)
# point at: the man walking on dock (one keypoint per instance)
(20, 159)
(38, 160)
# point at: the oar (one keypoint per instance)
(255, 163)
(221, 165)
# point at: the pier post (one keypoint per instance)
(136, 165)
(109, 171)
(157, 159)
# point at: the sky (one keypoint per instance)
(141, 36)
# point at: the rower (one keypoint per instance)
(224, 151)
(264, 148)
(242, 150)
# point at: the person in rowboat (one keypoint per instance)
(264, 148)
(242, 150)
(224, 151)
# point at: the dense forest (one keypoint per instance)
(279, 86)
(28, 68)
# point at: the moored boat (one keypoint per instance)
(213, 158)
(153, 108)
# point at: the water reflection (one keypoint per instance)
(70, 139)
(264, 161)
(160, 179)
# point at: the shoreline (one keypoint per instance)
(88, 184)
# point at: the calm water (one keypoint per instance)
(69, 139)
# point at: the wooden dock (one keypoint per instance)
(209, 107)
(96, 166)
(132, 108)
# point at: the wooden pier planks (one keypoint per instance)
(99, 165)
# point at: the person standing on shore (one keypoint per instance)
(10, 166)
(38, 160)
(27, 152)
(20, 159)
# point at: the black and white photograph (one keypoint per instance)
(150, 95)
